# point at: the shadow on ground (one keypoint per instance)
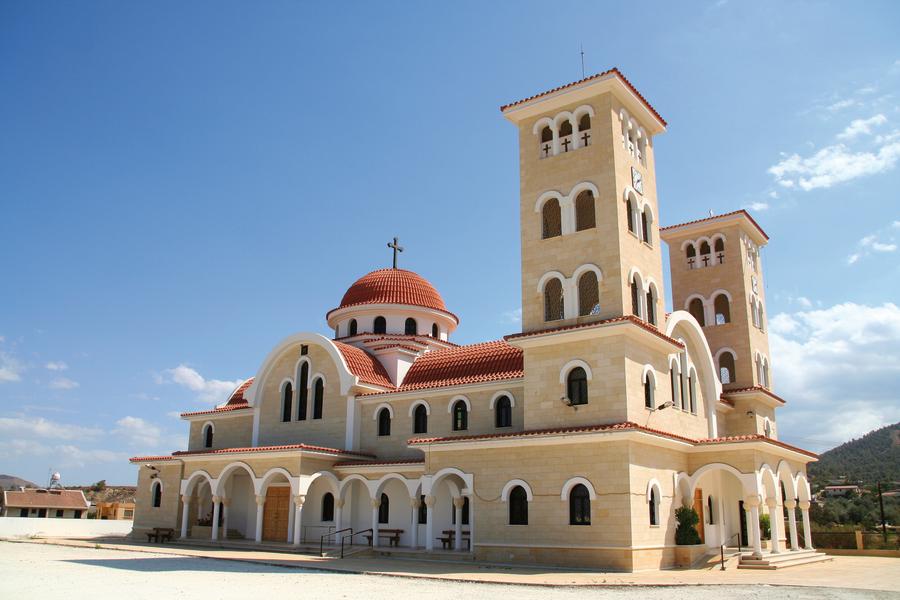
(172, 564)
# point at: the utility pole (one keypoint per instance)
(883, 523)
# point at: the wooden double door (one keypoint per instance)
(276, 514)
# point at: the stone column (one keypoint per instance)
(298, 514)
(790, 505)
(458, 504)
(753, 525)
(260, 507)
(185, 514)
(774, 520)
(217, 506)
(338, 514)
(807, 532)
(414, 504)
(226, 502)
(376, 503)
(429, 523)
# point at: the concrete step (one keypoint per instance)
(435, 555)
(782, 560)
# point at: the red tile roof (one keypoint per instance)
(488, 361)
(714, 217)
(364, 365)
(272, 449)
(755, 388)
(237, 397)
(135, 459)
(220, 409)
(377, 463)
(393, 286)
(38, 498)
(613, 71)
(637, 321)
(624, 426)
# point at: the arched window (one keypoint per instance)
(157, 494)
(719, 247)
(420, 419)
(551, 219)
(351, 329)
(726, 368)
(435, 331)
(648, 390)
(692, 391)
(709, 510)
(629, 208)
(651, 305)
(697, 311)
(723, 309)
(503, 412)
(384, 422)
(546, 134)
(762, 321)
(208, 435)
(585, 215)
(654, 506)
(576, 386)
(380, 325)
(546, 142)
(328, 507)
(584, 123)
(565, 131)
(674, 377)
(554, 304)
(423, 511)
(410, 327)
(286, 402)
(767, 429)
(691, 254)
(579, 505)
(635, 297)
(588, 294)
(645, 226)
(384, 510)
(318, 398)
(460, 416)
(518, 506)
(303, 391)
(753, 312)
(704, 248)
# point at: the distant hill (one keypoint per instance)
(11, 482)
(873, 457)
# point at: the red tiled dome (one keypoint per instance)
(393, 286)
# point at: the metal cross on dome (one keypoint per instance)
(396, 247)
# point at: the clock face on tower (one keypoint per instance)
(637, 181)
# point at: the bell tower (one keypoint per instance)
(588, 206)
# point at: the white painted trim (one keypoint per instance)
(454, 400)
(312, 380)
(584, 269)
(650, 485)
(542, 282)
(575, 362)
(378, 410)
(412, 407)
(230, 468)
(568, 485)
(504, 493)
(512, 398)
(544, 197)
(722, 351)
(708, 381)
(541, 123)
(199, 474)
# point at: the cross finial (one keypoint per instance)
(396, 247)
(582, 61)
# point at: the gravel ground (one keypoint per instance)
(41, 571)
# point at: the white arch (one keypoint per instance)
(768, 482)
(497, 395)
(317, 375)
(284, 382)
(429, 482)
(222, 479)
(719, 291)
(333, 483)
(266, 480)
(187, 484)
(568, 485)
(412, 407)
(541, 123)
(563, 116)
(748, 480)
(203, 429)
(300, 361)
(504, 493)
(710, 387)
(548, 195)
(349, 479)
(156, 482)
(583, 186)
(653, 483)
(722, 351)
(542, 282)
(581, 110)
(454, 400)
(635, 273)
(575, 362)
(410, 485)
(803, 492)
(584, 269)
(649, 370)
(787, 478)
(378, 410)
(691, 298)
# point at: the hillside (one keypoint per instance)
(873, 457)
(11, 482)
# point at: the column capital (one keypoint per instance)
(186, 499)
(216, 499)
(299, 499)
(339, 503)
(790, 504)
(376, 502)
(803, 504)
(771, 502)
(752, 501)
(459, 502)
(415, 502)
(429, 500)
(260, 499)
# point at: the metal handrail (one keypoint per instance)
(347, 537)
(329, 534)
(722, 549)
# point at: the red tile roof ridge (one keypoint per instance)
(218, 409)
(43, 498)
(636, 320)
(151, 458)
(375, 463)
(714, 217)
(401, 346)
(271, 449)
(365, 366)
(613, 71)
(237, 396)
(755, 388)
(419, 339)
(756, 437)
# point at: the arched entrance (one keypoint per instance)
(276, 520)
(450, 517)
(236, 489)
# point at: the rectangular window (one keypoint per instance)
(77, 514)
(60, 513)
(23, 512)
(423, 511)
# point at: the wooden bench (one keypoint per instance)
(392, 535)
(447, 536)
(160, 535)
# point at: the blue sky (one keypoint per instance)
(183, 184)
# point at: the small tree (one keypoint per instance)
(765, 523)
(99, 486)
(686, 530)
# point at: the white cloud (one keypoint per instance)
(804, 302)
(56, 366)
(841, 105)
(212, 391)
(773, 195)
(859, 127)
(41, 427)
(63, 383)
(838, 368)
(758, 206)
(513, 317)
(873, 243)
(138, 431)
(833, 165)
(10, 368)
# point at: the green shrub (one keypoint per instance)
(686, 530)
(765, 523)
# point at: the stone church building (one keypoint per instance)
(571, 442)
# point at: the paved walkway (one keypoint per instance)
(863, 573)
